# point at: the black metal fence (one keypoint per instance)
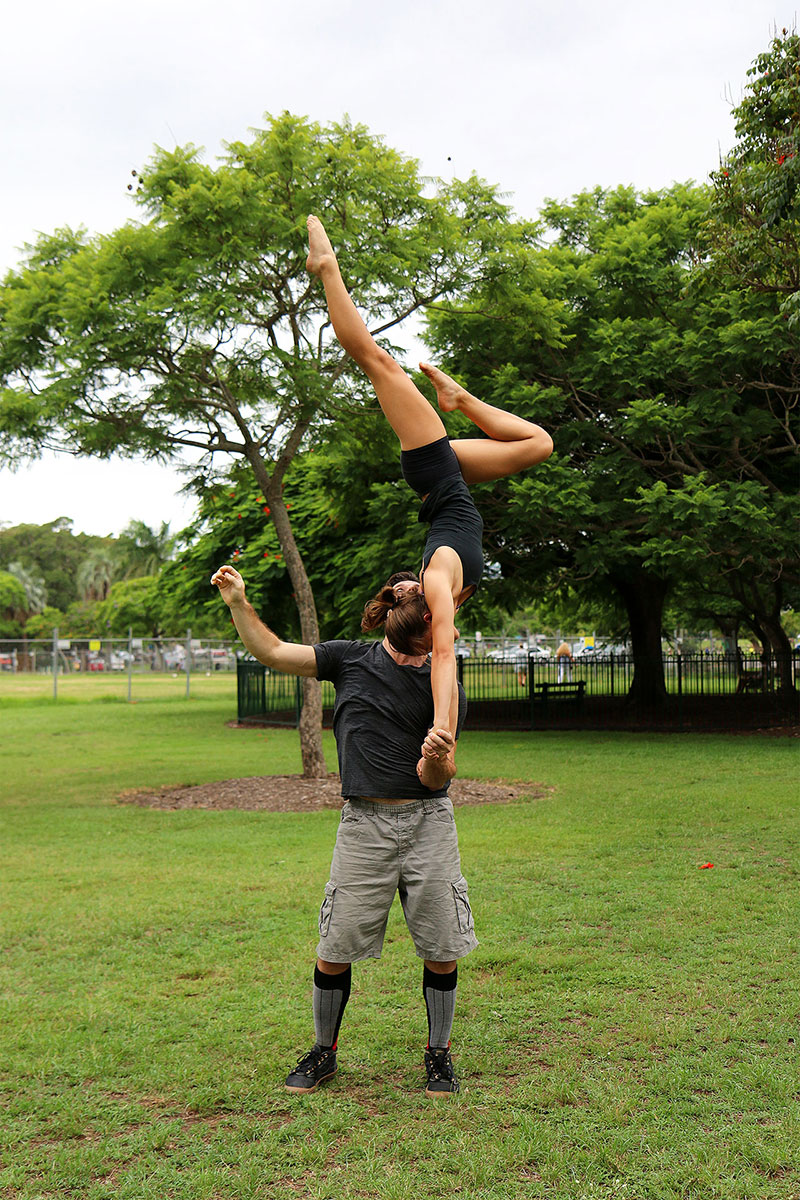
(702, 692)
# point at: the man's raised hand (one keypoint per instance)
(230, 584)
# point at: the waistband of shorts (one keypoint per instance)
(426, 804)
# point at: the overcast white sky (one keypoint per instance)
(542, 98)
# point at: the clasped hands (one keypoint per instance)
(438, 743)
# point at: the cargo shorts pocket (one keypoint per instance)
(351, 820)
(326, 910)
(463, 910)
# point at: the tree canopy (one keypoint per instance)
(52, 551)
(199, 326)
(671, 460)
(656, 335)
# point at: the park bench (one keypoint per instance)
(562, 691)
(752, 680)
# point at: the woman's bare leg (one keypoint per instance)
(513, 443)
(405, 407)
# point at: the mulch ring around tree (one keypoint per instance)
(294, 793)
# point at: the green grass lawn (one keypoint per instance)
(627, 1027)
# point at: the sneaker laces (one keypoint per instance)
(440, 1065)
(309, 1063)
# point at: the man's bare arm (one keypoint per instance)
(292, 658)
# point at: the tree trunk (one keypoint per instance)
(311, 751)
(764, 611)
(643, 595)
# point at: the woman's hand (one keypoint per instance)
(438, 744)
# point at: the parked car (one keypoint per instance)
(595, 651)
(505, 654)
(518, 654)
(215, 657)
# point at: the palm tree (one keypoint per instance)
(95, 575)
(141, 550)
(35, 591)
(34, 585)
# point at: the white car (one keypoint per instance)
(120, 659)
(506, 654)
(518, 654)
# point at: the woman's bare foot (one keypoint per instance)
(320, 250)
(449, 394)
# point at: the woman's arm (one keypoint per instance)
(439, 599)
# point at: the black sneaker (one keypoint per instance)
(318, 1065)
(441, 1076)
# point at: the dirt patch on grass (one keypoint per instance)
(294, 793)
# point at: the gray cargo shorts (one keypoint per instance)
(382, 849)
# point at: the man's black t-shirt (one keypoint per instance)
(381, 716)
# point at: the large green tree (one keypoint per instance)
(199, 328)
(754, 235)
(52, 551)
(647, 370)
(755, 225)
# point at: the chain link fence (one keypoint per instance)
(59, 657)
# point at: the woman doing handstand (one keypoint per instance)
(436, 468)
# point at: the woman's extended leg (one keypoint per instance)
(513, 443)
(408, 412)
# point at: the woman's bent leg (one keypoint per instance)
(408, 412)
(513, 443)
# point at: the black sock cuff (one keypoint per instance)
(332, 983)
(440, 983)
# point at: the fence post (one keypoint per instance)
(298, 701)
(531, 691)
(188, 660)
(130, 660)
(680, 690)
(55, 663)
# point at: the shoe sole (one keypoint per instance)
(438, 1095)
(306, 1091)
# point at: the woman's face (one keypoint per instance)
(405, 587)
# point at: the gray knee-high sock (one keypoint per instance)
(331, 993)
(440, 1000)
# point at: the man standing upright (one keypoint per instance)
(397, 833)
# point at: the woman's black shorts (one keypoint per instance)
(433, 471)
(428, 465)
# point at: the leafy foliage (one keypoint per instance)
(756, 217)
(12, 604)
(199, 327)
(51, 551)
(672, 461)
(140, 550)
